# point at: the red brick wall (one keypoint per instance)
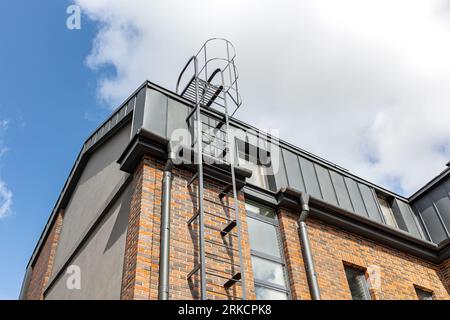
(183, 251)
(42, 269)
(293, 255)
(140, 271)
(445, 273)
(333, 247)
(140, 278)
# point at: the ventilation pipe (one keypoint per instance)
(164, 254)
(306, 248)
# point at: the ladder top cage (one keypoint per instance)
(212, 70)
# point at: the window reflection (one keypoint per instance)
(268, 271)
(263, 293)
(267, 260)
(263, 237)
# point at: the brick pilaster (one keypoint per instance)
(43, 267)
(140, 272)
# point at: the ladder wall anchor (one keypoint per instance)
(196, 268)
(236, 278)
(193, 217)
(225, 191)
(195, 176)
(230, 226)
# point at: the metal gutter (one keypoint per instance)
(358, 225)
(164, 253)
(306, 247)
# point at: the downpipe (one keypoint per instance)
(306, 248)
(164, 253)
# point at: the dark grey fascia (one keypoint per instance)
(281, 143)
(364, 227)
(149, 143)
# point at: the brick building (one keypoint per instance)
(126, 225)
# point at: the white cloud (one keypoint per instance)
(5, 194)
(5, 200)
(364, 84)
(4, 124)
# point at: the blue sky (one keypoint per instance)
(46, 94)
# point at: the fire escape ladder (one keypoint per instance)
(220, 264)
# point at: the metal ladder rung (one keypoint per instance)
(217, 271)
(217, 179)
(217, 215)
(236, 278)
(208, 255)
(226, 295)
(219, 204)
(230, 226)
(196, 215)
(214, 96)
(219, 230)
(215, 126)
(207, 96)
(221, 276)
(216, 138)
(204, 88)
(221, 245)
(195, 176)
(219, 161)
(220, 150)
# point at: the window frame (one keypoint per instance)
(279, 260)
(418, 289)
(362, 271)
(259, 168)
(381, 197)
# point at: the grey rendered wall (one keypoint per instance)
(434, 210)
(101, 258)
(98, 180)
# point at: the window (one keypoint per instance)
(357, 282)
(386, 210)
(267, 257)
(424, 294)
(257, 160)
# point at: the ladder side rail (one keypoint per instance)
(198, 121)
(236, 203)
